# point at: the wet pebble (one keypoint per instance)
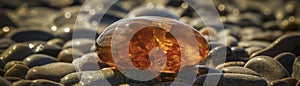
(229, 79)
(17, 70)
(16, 52)
(52, 71)
(286, 59)
(265, 66)
(80, 43)
(67, 55)
(38, 60)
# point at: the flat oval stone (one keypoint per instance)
(239, 70)
(286, 43)
(296, 68)
(4, 82)
(52, 71)
(67, 55)
(56, 41)
(229, 64)
(66, 33)
(38, 60)
(17, 70)
(44, 48)
(16, 52)
(285, 82)
(286, 59)
(240, 52)
(251, 50)
(265, 66)
(22, 35)
(202, 69)
(229, 79)
(5, 43)
(82, 44)
(218, 56)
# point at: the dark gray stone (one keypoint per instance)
(22, 35)
(38, 60)
(228, 64)
(70, 79)
(4, 82)
(67, 55)
(145, 11)
(239, 70)
(80, 43)
(16, 52)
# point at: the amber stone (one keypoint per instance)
(180, 43)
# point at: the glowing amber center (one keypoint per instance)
(149, 37)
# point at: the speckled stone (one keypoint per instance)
(265, 66)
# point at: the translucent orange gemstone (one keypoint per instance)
(153, 32)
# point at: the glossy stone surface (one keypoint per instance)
(152, 32)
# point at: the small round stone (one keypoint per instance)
(52, 71)
(67, 55)
(265, 66)
(38, 60)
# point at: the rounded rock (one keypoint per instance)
(38, 60)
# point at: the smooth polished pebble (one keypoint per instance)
(68, 55)
(284, 82)
(229, 79)
(240, 52)
(16, 52)
(17, 70)
(265, 66)
(286, 59)
(44, 48)
(262, 44)
(285, 43)
(52, 71)
(296, 68)
(239, 70)
(218, 56)
(38, 60)
(56, 41)
(80, 43)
